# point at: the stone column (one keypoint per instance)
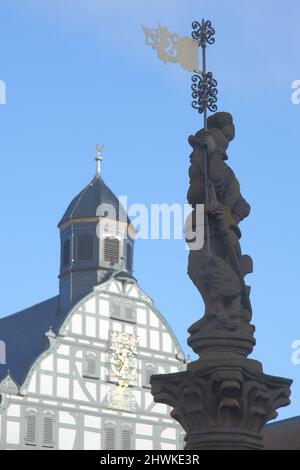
(224, 399)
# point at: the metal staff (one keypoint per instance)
(204, 93)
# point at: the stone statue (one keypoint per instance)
(219, 274)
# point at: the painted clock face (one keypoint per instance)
(123, 359)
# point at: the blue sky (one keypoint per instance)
(78, 73)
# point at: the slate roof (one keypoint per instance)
(86, 203)
(24, 337)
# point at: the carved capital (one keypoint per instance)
(222, 405)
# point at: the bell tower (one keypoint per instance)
(97, 240)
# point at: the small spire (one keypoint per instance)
(98, 159)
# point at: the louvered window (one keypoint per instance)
(48, 431)
(111, 250)
(66, 253)
(126, 439)
(110, 438)
(31, 428)
(85, 249)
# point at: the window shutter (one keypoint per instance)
(129, 257)
(66, 253)
(110, 438)
(126, 439)
(111, 250)
(48, 436)
(116, 311)
(129, 313)
(85, 249)
(30, 433)
(91, 365)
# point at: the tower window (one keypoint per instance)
(66, 253)
(85, 247)
(112, 250)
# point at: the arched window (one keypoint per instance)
(149, 370)
(91, 366)
(85, 248)
(129, 257)
(31, 428)
(66, 253)
(48, 429)
(112, 250)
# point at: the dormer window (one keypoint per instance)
(112, 250)
(85, 249)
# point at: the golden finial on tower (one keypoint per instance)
(98, 159)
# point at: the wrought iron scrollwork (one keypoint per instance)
(203, 32)
(204, 92)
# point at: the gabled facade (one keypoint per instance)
(79, 364)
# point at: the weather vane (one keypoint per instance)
(170, 47)
(204, 86)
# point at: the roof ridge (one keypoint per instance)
(81, 196)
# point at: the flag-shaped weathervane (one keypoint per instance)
(171, 47)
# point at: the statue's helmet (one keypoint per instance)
(224, 122)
